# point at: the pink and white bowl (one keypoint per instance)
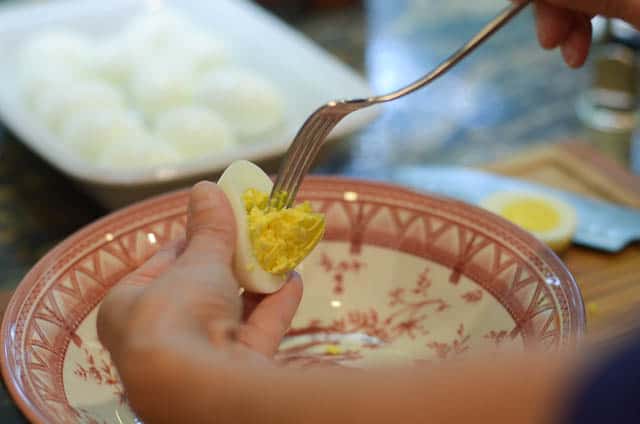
(400, 278)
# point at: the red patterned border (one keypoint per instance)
(55, 264)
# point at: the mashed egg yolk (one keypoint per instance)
(281, 237)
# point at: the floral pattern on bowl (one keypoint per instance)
(400, 278)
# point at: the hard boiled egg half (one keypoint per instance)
(548, 218)
(271, 242)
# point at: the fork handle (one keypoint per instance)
(498, 22)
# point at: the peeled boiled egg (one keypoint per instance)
(112, 61)
(194, 130)
(53, 59)
(59, 103)
(35, 81)
(270, 242)
(57, 47)
(548, 218)
(170, 34)
(158, 85)
(155, 30)
(90, 133)
(251, 104)
(143, 152)
(201, 51)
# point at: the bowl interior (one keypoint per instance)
(400, 277)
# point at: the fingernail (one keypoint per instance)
(202, 198)
(203, 192)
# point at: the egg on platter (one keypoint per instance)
(154, 31)
(194, 130)
(143, 152)
(201, 51)
(33, 82)
(158, 85)
(57, 47)
(55, 105)
(113, 61)
(140, 83)
(271, 242)
(90, 133)
(250, 103)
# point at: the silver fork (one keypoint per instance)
(307, 143)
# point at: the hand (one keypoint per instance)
(567, 23)
(185, 298)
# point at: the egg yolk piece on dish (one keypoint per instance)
(550, 219)
(270, 241)
(532, 214)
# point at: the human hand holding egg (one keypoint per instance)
(232, 242)
(186, 298)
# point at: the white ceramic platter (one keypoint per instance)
(306, 75)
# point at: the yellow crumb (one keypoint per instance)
(593, 309)
(333, 350)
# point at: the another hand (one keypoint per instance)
(567, 23)
(185, 300)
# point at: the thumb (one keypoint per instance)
(211, 226)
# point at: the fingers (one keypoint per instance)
(568, 29)
(211, 229)
(113, 315)
(628, 10)
(271, 318)
(249, 303)
(204, 268)
(156, 265)
(115, 309)
(553, 24)
(575, 49)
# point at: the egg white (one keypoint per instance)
(113, 61)
(250, 103)
(140, 153)
(194, 130)
(236, 179)
(559, 237)
(200, 51)
(90, 133)
(65, 48)
(56, 105)
(33, 82)
(158, 84)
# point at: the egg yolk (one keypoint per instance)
(281, 237)
(532, 214)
